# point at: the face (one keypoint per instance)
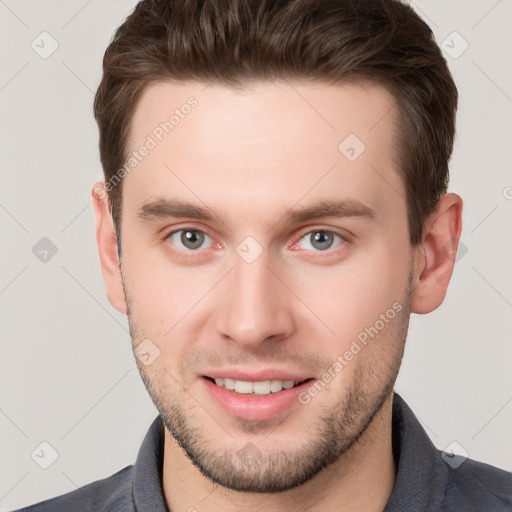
(265, 248)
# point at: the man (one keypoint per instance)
(275, 206)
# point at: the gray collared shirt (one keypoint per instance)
(426, 481)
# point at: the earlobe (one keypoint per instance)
(435, 257)
(107, 247)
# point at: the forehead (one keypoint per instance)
(317, 110)
(270, 144)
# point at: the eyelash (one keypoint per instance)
(329, 250)
(195, 252)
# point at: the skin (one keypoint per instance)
(251, 156)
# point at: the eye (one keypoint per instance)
(319, 240)
(190, 239)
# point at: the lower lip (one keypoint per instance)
(255, 407)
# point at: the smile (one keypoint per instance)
(264, 387)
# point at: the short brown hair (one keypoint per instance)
(236, 42)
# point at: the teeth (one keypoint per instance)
(262, 388)
(229, 384)
(242, 386)
(259, 388)
(275, 386)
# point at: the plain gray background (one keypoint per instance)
(68, 376)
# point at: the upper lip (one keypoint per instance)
(257, 375)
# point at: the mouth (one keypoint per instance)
(256, 395)
(256, 388)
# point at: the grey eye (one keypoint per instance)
(190, 239)
(319, 240)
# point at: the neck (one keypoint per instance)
(361, 479)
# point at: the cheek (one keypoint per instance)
(351, 296)
(162, 294)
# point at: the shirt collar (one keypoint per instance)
(147, 485)
(422, 475)
(420, 481)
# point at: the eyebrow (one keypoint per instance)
(163, 208)
(169, 208)
(331, 208)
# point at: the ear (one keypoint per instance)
(107, 246)
(435, 257)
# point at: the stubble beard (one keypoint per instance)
(246, 467)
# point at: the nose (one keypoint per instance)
(256, 307)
